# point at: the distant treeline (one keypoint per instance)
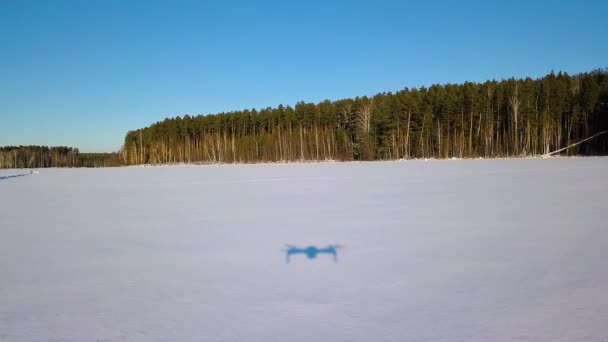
(514, 117)
(55, 156)
(100, 159)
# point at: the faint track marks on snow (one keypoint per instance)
(14, 176)
(262, 180)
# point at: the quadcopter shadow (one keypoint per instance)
(311, 252)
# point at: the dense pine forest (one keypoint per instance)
(56, 156)
(508, 118)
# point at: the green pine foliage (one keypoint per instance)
(38, 156)
(508, 118)
(55, 156)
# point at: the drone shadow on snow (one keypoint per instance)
(311, 252)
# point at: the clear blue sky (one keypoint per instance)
(83, 73)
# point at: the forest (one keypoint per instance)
(508, 118)
(55, 156)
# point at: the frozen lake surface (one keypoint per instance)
(471, 250)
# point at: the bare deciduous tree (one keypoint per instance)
(514, 104)
(364, 126)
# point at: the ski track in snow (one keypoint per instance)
(456, 250)
(14, 176)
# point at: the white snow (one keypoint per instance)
(455, 250)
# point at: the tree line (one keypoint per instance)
(508, 118)
(55, 156)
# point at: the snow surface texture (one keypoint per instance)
(466, 250)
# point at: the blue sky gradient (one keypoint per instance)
(83, 73)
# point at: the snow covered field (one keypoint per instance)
(471, 250)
